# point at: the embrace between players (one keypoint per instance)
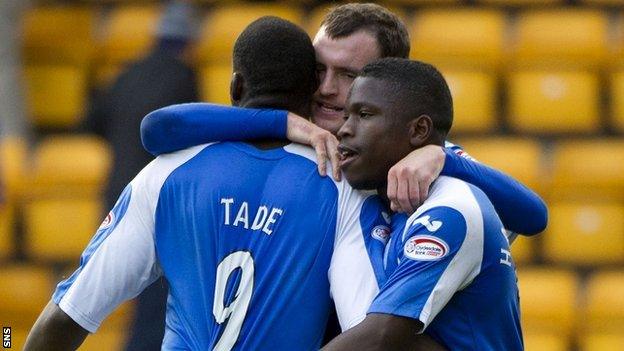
(256, 245)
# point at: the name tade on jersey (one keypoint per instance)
(265, 217)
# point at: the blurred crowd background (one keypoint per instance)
(538, 87)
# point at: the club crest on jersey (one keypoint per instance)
(381, 233)
(108, 221)
(425, 248)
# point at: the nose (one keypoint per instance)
(328, 84)
(346, 130)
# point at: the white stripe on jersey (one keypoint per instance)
(353, 284)
(125, 262)
(466, 265)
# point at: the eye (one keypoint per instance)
(365, 114)
(349, 75)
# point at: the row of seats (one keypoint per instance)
(480, 37)
(57, 197)
(556, 304)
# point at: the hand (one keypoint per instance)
(410, 178)
(302, 131)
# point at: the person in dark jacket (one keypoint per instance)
(163, 77)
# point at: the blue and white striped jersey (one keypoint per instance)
(449, 266)
(250, 241)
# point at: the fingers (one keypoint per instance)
(334, 157)
(424, 190)
(392, 190)
(321, 158)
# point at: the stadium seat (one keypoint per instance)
(13, 158)
(224, 23)
(56, 95)
(571, 37)
(523, 250)
(582, 232)
(604, 310)
(536, 341)
(617, 99)
(588, 169)
(129, 32)
(59, 34)
(59, 229)
(474, 100)
(602, 342)
(521, 2)
(604, 2)
(518, 157)
(7, 214)
(27, 289)
(555, 101)
(458, 38)
(215, 83)
(547, 300)
(66, 165)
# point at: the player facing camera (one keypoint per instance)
(394, 107)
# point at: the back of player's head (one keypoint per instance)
(420, 88)
(276, 59)
(390, 31)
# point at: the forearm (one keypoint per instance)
(380, 332)
(177, 127)
(521, 210)
(55, 330)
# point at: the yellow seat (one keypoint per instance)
(68, 165)
(58, 34)
(518, 157)
(523, 250)
(13, 158)
(225, 23)
(536, 341)
(600, 175)
(582, 232)
(474, 100)
(602, 342)
(129, 32)
(215, 83)
(7, 221)
(617, 99)
(604, 310)
(543, 101)
(521, 3)
(458, 38)
(572, 37)
(56, 95)
(547, 300)
(27, 289)
(59, 229)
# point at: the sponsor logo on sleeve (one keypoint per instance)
(108, 221)
(381, 233)
(425, 248)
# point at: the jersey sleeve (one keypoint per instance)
(181, 126)
(521, 210)
(437, 259)
(118, 263)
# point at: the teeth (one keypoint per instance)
(336, 109)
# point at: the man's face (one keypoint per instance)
(375, 135)
(339, 61)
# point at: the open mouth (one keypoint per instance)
(347, 155)
(329, 108)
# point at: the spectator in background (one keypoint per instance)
(164, 77)
(13, 122)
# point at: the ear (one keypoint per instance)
(237, 88)
(420, 130)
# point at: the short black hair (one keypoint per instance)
(420, 86)
(276, 58)
(388, 29)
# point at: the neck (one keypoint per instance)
(281, 102)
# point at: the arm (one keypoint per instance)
(55, 330)
(178, 127)
(384, 332)
(520, 209)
